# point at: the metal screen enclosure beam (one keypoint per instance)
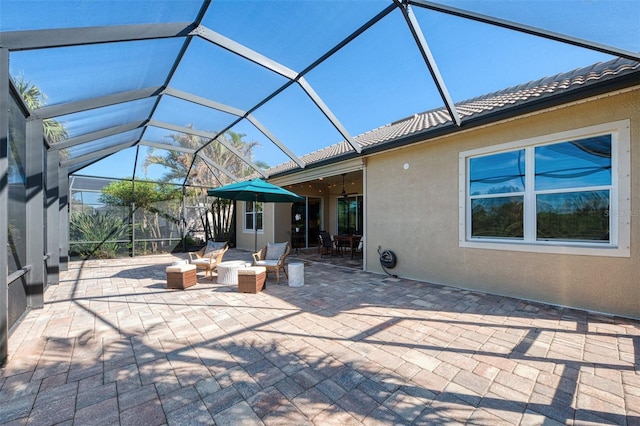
(35, 213)
(218, 167)
(527, 29)
(88, 137)
(61, 37)
(185, 96)
(329, 114)
(93, 103)
(167, 147)
(52, 217)
(97, 155)
(4, 200)
(275, 140)
(63, 214)
(245, 52)
(211, 137)
(418, 36)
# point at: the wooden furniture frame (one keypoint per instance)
(350, 241)
(252, 279)
(181, 276)
(272, 265)
(207, 263)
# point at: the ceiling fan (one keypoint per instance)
(344, 193)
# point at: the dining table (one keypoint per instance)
(351, 241)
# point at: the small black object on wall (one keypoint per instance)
(388, 260)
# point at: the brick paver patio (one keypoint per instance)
(113, 346)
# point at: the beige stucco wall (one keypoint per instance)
(414, 212)
(277, 223)
(246, 239)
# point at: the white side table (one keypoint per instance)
(296, 274)
(228, 271)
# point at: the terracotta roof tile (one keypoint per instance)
(472, 108)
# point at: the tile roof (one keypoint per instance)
(428, 122)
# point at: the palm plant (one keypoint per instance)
(177, 163)
(201, 176)
(54, 130)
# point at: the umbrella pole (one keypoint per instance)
(255, 226)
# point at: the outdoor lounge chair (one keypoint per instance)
(208, 257)
(273, 258)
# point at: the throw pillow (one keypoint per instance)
(213, 249)
(275, 250)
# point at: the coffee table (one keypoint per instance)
(228, 271)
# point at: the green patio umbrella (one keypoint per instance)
(256, 190)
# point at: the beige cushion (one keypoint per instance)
(252, 270)
(267, 263)
(180, 268)
(213, 249)
(275, 250)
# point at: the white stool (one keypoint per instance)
(228, 271)
(296, 274)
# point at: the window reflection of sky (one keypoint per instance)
(582, 163)
(497, 173)
(576, 164)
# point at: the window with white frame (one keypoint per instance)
(560, 193)
(252, 216)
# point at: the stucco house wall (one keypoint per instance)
(245, 239)
(412, 204)
(276, 223)
(281, 222)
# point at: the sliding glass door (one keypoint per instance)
(350, 219)
(306, 221)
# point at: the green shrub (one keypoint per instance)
(96, 235)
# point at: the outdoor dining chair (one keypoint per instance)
(327, 245)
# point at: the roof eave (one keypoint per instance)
(528, 107)
(316, 164)
(491, 117)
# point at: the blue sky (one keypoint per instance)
(378, 78)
